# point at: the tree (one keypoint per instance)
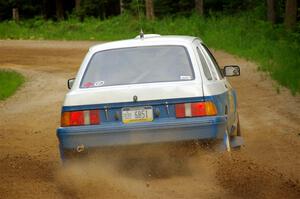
(121, 7)
(199, 6)
(271, 14)
(15, 14)
(59, 9)
(149, 10)
(290, 17)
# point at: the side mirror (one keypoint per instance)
(70, 83)
(231, 70)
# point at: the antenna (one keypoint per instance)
(141, 32)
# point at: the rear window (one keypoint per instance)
(138, 65)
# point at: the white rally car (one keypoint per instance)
(149, 89)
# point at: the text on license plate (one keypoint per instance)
(137, 114)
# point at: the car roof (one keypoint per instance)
(146, 40)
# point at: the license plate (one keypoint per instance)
(137, 114)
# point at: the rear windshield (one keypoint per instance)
(138, 65)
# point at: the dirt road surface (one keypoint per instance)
(268, 166)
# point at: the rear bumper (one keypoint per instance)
(138, 133)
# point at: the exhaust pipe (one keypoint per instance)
(80, 148)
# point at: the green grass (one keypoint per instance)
(272, 48)
(10, 81)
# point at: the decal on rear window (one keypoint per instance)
(88, 84)
(99, 83)
(185, 77)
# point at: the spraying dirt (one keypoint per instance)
(268, 166)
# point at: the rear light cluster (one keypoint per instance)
(196, 109)
(80, 118)
(92, 117)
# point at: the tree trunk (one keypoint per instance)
(199, 6)
(271, 11)
(59, 10)
(149, 10)
(15, 14)
(121, 7)
(290, 18)
(77, 5)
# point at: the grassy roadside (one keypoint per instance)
(275, 50)
(10, 81)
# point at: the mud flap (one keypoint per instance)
(61, 152)
(228, 143)
(236, 141)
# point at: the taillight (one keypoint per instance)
(180, 110)
(80, 118)
(196, 109)
(76, 118)
(94, 117)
